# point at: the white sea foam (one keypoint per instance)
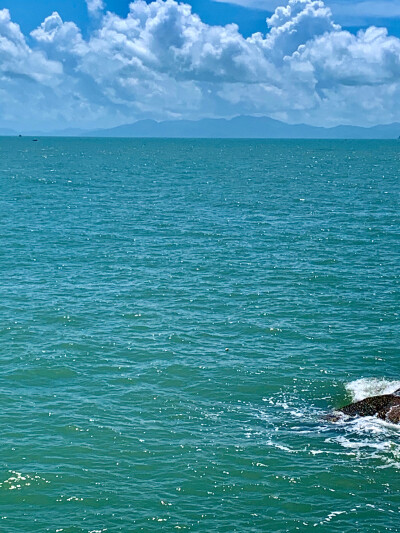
(367, 387)
(363, 438)
(370, 436)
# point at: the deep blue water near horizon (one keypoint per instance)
(176, 317)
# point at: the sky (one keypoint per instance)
(101, 63)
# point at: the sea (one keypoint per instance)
(177, 320)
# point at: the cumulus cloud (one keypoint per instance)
(162, 61)
(17, 59)
(59, 38)
(94, 6)
(299, 22)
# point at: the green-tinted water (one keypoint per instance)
(176, 317)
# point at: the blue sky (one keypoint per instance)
(250, 15)
(95, 63)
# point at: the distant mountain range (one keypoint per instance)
(235, 128)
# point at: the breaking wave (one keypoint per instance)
(367, 387)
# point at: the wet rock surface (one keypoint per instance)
(386, 407)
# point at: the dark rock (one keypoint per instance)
(386, 407)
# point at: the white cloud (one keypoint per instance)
(299, 22)
(94, 6)
(162, 61)
(17, 59)
(59, 38)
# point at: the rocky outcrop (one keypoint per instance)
(386, 407)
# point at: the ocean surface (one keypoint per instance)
(177, 317)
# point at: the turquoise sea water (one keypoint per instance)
(175, 319)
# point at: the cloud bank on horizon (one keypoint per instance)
(162, 61)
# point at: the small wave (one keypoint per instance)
(370, 426)
(296, 427)
(373, 425)
(370, 436)
(367, 387)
